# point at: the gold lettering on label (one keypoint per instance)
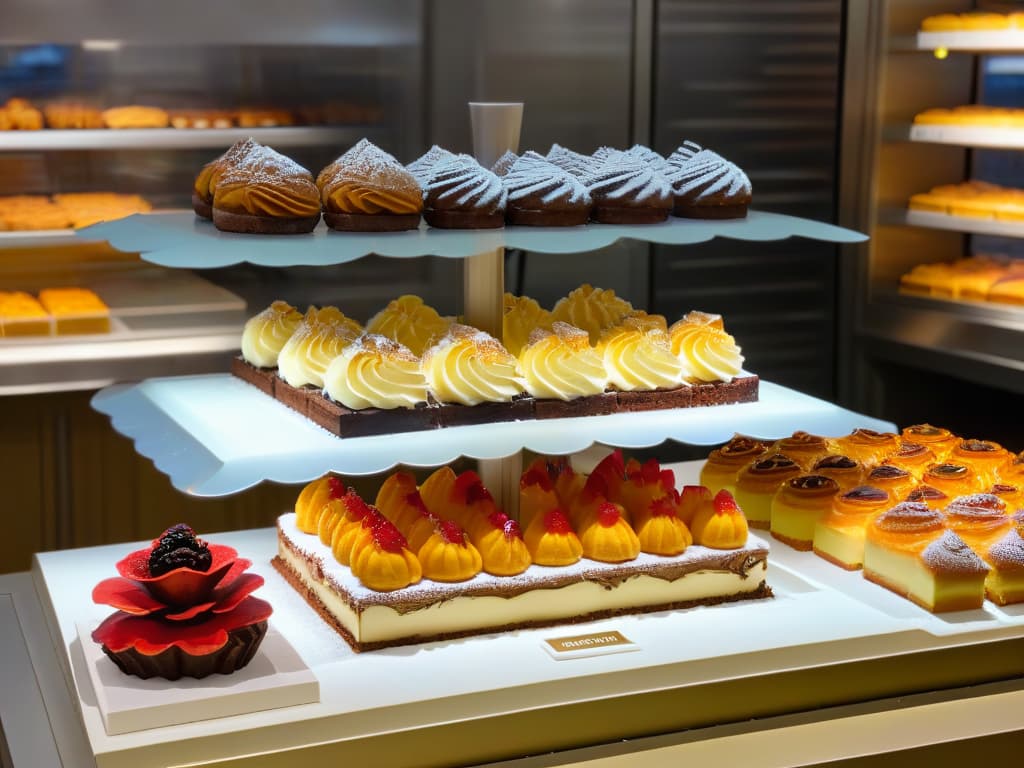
(582, 642)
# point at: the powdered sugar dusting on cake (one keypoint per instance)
(377, 344)
(1008, 552)
(573, 162)
(486, 345)
(462, 183)
(262, 165)
(369, 163)
(707, 174)
(950, 553)
(504, 163)
(423, 166)
(683, 153)
(623, 178)
(649, 157)
(532, 175)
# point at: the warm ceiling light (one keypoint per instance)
(102, 45)
(941, 53)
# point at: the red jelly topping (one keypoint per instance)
(725, 504)
(555, 521)
(663, 507)
(512, 530)
(415, 500)
(608, 515)
(389, 538)
(497, 519)
(537, 476)
(356, 507)
(451, 532)
(335, 487)
(470, 488)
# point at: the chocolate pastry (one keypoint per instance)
(460, 194)
(627, 191)
(541, 194)
(706, 185)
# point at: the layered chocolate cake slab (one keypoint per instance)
(539, 597)
(345, 422)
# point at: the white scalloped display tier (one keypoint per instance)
(215, 435)
(182, 240)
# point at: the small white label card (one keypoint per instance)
(591, 644)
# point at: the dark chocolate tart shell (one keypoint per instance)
(174, 663)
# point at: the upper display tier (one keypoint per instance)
(182, 240)
(215, 435)
(973, 40)
(174, 138)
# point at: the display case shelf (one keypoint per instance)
(930, 220)
(185, 241)
(983, 137)
(973, 41)
(215, 435)
(846, 639)
(48, 140)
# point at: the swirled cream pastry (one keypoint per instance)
(410, 322)
(460, 194)
(573, 162)
(696, 317)
(522, 315)
(639, 358)
(266, 334)
(592, 309)
(422, 167)
(375, 372)
(468, 366)
(368, 190)
(560, 364)
(706, 185)
(540, 194)
(206, 182)
(706, 353)
(264, 192)
(628, 191)
(320, 337)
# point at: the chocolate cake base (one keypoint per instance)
(686, 211)
(261, 378)
(345, 422)
(526, 217)
(610, 214)
(365, 222)
(203, 209)
(174, 663)
(263, 225)
(464, 219)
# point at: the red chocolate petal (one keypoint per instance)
(191, 612)
(126, 595)
(227, 597)
(150, 635)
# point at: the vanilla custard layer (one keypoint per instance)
(452, 612)
(907, 573)
(845, 545)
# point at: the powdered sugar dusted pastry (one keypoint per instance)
(541, 194)
(628, 191)
(206, 182)
(422, 167)
(504, 163)
(264, 192)
(707, 186)
(368, 190)
(573, 162)
(460, 194)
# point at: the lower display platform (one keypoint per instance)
(827, 638)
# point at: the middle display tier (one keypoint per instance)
(215, 435)
(184, 241)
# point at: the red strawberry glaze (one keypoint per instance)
(555, 521)
(336, 489)
(725, 504)
(452, 532)
(469, 488)
(608, 515)
(663, 507)
(355, 505)
(497, 519)
(537, 476)
(389, 538)
(512, 530)
(416, 501)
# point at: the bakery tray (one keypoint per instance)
(978, 226)
(980, 40)
(812, 627)
(215, 435)
(183, 240)
(968, 135)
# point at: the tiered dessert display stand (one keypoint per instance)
(731, 675)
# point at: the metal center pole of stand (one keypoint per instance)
(495, 129)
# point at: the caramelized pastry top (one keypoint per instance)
(738, 452)
(469, 366)
(266, 334)
(265, 183)
(367, 180)
(375, 372)
(522, 315)
(560, 364)
(410, 322)
(910, 518)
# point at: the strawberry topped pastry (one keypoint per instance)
(184, 609)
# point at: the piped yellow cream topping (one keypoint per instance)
(707, 352)
(376, 372)
(265, 334)
(592, 309)
(522, 316)
(320, 337)
(560, 364)
(636, 357)
(469, 366)
(410, 322)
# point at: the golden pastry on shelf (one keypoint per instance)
(972, 199)
(135, 116)
(20, 115)
(75, 310)
(70, 115)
